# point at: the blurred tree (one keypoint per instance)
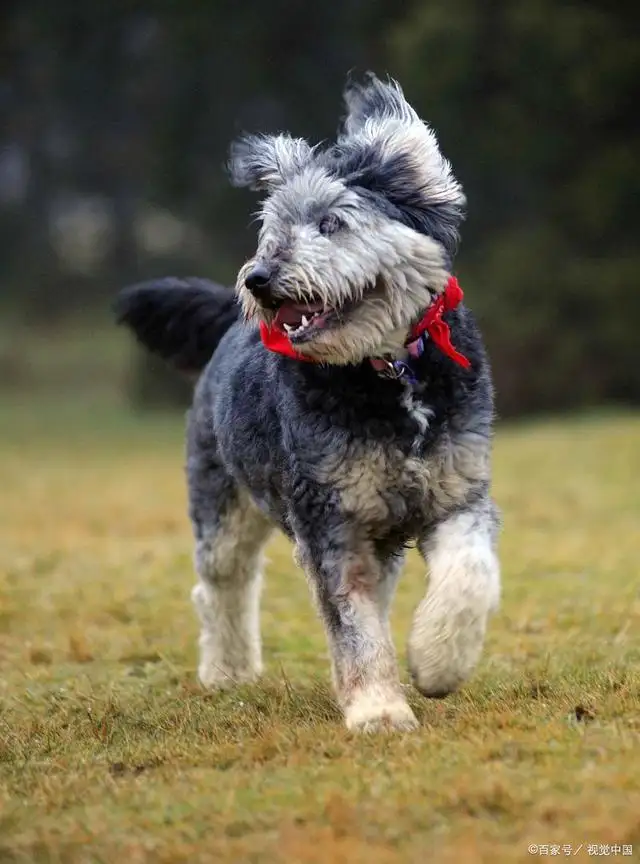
(115, 122)
(534, 103)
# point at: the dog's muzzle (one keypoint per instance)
(259, 282)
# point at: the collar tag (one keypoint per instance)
(393, 369)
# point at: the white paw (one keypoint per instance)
(230, 652)
(214, 677)
(372, 712)
(443, 654)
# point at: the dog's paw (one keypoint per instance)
(218, 678)
(372, 713)
(442, 655)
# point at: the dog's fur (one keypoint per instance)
(352, 467)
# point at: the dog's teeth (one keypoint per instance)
(288, 328)
(305, 321)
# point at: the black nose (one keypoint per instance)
(258, 281)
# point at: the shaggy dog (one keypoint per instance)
(345, 397)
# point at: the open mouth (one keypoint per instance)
(301, 321)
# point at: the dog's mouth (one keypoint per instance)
(300, 322)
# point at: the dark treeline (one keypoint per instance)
(115, 120)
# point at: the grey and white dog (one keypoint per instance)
(311, 415)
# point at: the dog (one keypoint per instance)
(344, 396)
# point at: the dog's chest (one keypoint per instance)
(413, 480)
(421, 414)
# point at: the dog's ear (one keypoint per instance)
(375, 101)
(266, 161)
(386, 149)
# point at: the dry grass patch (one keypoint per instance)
(108, 748)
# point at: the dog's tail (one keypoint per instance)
(181, 320)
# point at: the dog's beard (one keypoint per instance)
(379, 325)
(340, 320)
(370, 326)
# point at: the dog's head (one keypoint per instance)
(356, 239)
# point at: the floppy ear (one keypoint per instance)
(386, 149)
(265, 161)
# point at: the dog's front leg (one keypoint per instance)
(352, 589)
(449, 625)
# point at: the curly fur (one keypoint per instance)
(350, 466)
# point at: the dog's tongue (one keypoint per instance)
(291, 313)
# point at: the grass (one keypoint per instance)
(109, 750)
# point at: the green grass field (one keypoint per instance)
(109, 751)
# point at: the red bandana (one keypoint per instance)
(431, 323)
(276, 340)
(437, 329)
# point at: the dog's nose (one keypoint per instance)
(258, 281)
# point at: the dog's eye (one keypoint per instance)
(329, 224)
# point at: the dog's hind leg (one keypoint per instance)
(449, 624)
(230, 533)
(352, 588)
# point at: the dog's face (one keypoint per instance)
(355, 239)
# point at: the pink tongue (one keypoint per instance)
(291, 313)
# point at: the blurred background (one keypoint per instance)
(115, 119)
